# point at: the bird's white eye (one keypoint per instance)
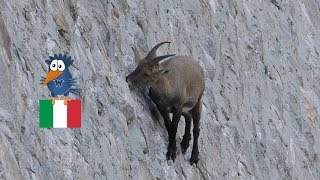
(61, 65)
(54, 65)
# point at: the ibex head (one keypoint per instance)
(149, 69)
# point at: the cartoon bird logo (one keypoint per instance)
(59, 79)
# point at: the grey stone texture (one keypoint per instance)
(260, 117)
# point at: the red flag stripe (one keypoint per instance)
(74, 114)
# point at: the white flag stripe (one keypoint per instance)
(60, 114)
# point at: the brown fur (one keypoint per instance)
(176, 86)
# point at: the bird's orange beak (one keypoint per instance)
(51, 76)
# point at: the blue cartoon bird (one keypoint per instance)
(59, 79)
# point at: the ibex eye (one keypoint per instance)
(146, 74)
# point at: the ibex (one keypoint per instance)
(176, 86)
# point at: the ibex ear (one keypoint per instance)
(164, 71)
(160, 58)
(157, 60)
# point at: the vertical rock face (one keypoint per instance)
(261, 105)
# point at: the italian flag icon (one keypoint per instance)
(61, 114)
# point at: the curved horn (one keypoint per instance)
(152, 53)
(160, 58)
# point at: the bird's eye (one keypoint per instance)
(53, 65)
(61, 65)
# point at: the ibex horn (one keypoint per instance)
(152, 53)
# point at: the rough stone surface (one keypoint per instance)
(261, 105)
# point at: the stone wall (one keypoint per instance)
(260, 107)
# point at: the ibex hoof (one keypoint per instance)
(194, 159)
(171, 154)
(184, 146)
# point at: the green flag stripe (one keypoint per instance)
(46, 114)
